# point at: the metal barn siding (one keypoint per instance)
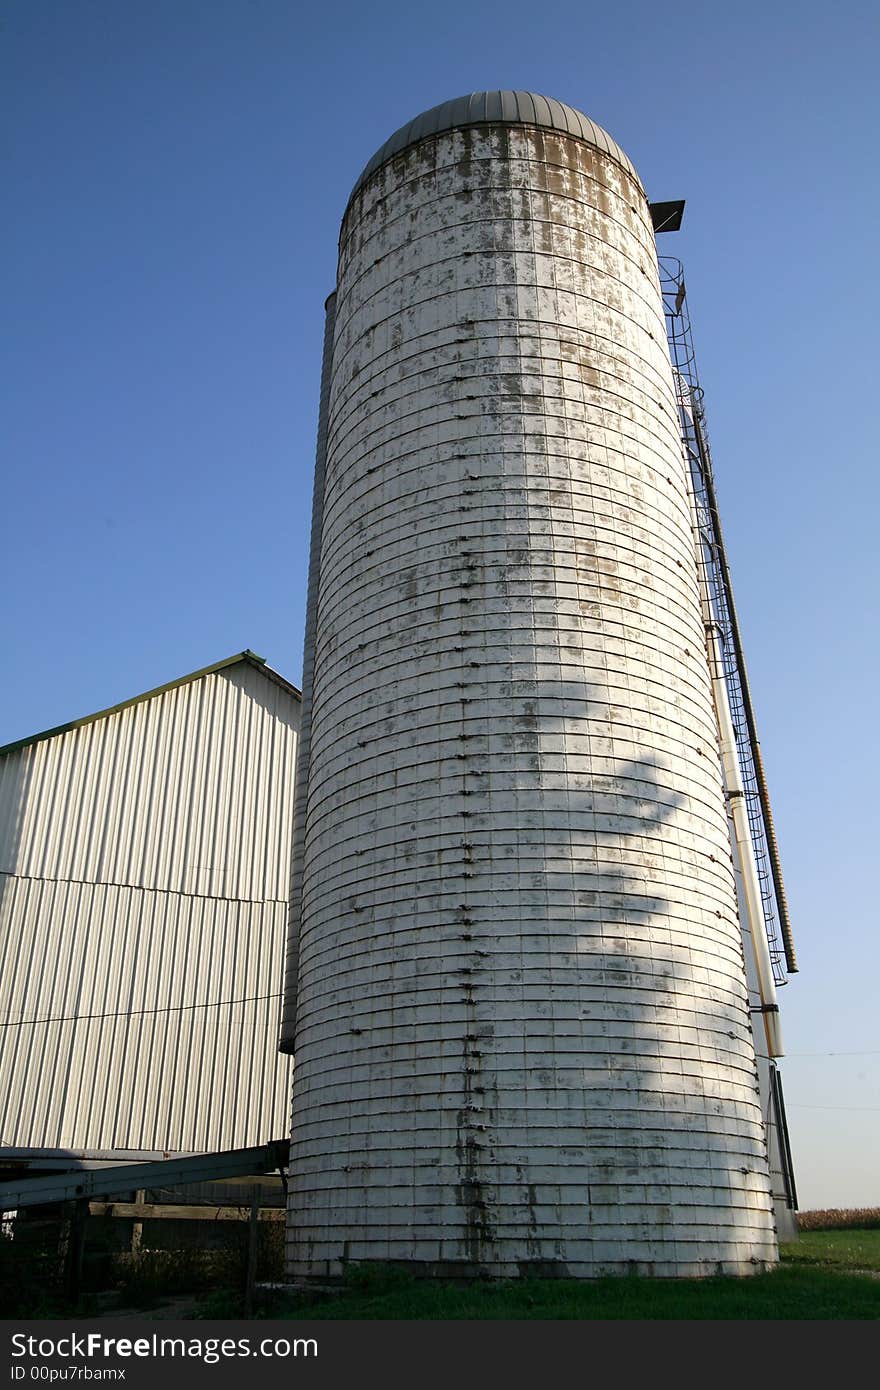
(522, 1038)
(144, 866)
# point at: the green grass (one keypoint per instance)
(826, 1274)
(835, 1250)
(819, 1278)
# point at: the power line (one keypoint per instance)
(862, 1109)
(137, 1013)
(869, 1052)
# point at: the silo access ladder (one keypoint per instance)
(716, 576)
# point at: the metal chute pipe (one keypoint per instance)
(743, 848)
(763, 794)
(743, 845)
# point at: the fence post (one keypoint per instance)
(251, 1268)
(137, 1227)
(75, 1247)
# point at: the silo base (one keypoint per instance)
(334, 1273)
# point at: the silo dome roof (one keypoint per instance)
(504, 108)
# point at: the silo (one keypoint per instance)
(516, 995)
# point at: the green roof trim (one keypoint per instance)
(251, 658)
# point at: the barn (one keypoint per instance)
(144, 878)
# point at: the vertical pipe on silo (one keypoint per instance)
(748, 708)
(743, 845)
(288, 1015)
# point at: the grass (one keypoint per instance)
(822, 1276)
(851, 1250)
(831, 1273)
(785, 1294)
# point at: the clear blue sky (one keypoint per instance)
(175, 173)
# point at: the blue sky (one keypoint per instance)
(177, 172)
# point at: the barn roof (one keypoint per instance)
(251, 658)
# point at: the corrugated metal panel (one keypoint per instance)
(146, 1070)
(190, 791)
(144, 867)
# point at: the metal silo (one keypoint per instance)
(516, 991)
